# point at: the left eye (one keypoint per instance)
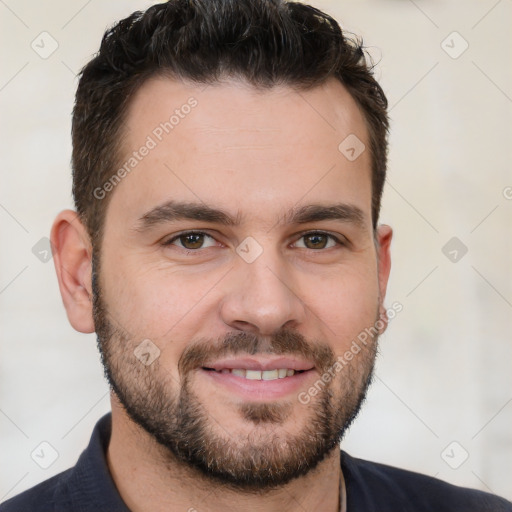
(194, 240)
(318, 240)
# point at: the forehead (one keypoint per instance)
(232, 145)
(242, 109)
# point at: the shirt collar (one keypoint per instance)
(92, 487)
(90, 484)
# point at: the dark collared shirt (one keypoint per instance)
(370, 487)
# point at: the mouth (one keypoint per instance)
(259, 379)
(278, 373)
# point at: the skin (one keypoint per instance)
(258, 154)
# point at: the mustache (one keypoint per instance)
(284, 342)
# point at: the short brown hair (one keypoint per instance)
(264, 42)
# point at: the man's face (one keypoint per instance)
(276, 287)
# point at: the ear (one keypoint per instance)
(72, 256)
(384, 235)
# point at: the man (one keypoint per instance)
(228, 165)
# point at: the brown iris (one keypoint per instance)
(315, 241)
(192, 240)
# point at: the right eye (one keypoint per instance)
(191, 240)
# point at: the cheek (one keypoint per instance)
(153, 306)
(135, 299)
(346, 303)
(157, 302)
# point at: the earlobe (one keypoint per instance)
(72, 253)
(384, 236)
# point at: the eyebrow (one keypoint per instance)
(171, 211)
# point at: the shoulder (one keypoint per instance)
(43, 497)
(373, 484)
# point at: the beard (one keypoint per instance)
(267, 456)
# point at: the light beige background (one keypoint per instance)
(444, 373)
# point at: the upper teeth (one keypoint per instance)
(260, 374)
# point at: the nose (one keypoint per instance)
(261, 297)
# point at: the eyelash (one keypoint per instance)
(302, 235)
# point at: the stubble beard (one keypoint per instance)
(258, 460)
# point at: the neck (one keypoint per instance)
(147, 481)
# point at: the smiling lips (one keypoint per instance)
(259, 369)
